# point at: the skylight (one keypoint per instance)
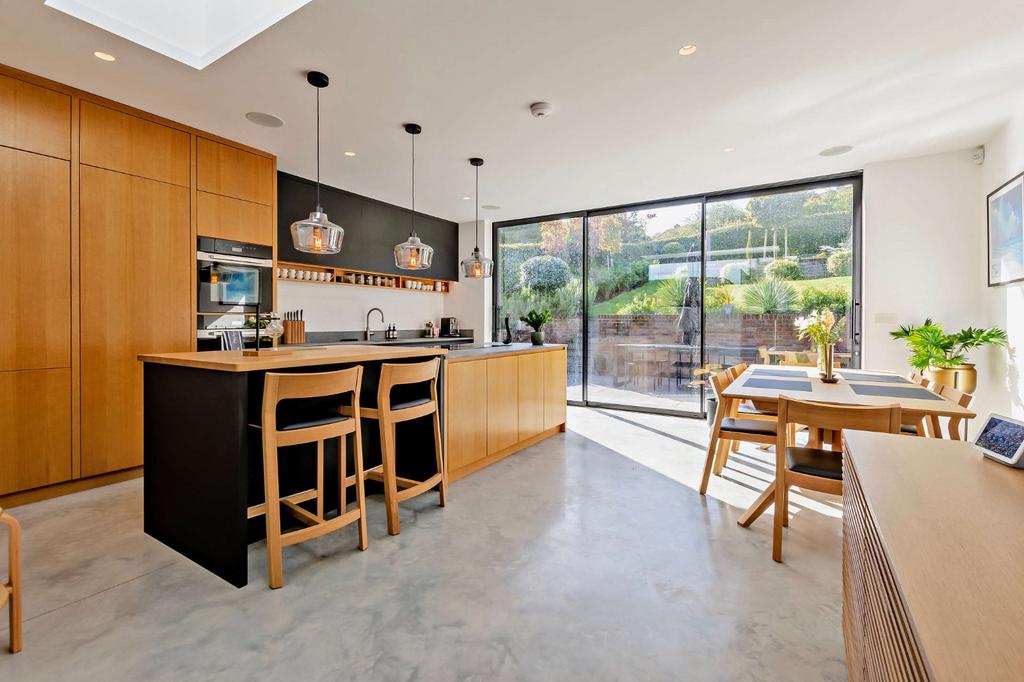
(194, 32)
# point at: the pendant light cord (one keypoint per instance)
(412, 214)
(477, 221)
(318, 207)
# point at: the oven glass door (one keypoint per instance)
(229, 288)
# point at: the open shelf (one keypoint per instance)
(317, 274)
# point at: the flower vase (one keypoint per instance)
(827, 362)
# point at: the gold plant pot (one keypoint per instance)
(962, 377)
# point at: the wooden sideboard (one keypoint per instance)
(501, 402)
(100, 206)
(933, 551)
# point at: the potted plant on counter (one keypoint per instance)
(536, 319)
(943, 357)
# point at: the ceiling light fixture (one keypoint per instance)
(262, 119)
(412, 254)
(728, 150)
(838, 150)
(477, 266)
(317, 234)
(105, 56)
(687, 50)
(490, 207)
(466, 198)
(350, 153)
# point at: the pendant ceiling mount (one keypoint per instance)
(477, 265)
(316, 234)
(413, 254)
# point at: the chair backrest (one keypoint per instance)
(762, 354)
(956, 395)
(917, 378)
(884, 418)
(279, 386)
(393, 374)
(737, 370)
(721, 381)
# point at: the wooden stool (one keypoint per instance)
(11, 590)
(387, 415)
(313, 425)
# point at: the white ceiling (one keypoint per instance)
(779, 81)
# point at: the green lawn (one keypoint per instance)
(612, 305)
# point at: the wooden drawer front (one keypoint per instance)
(502, 403)
(129, 144)
(35, 261)
(34, 119)
(467, 405)
(531, 394)
(880, 643)
(35, 428)
(231, 172)
(136, 265)
(228, 218)
(554, 388)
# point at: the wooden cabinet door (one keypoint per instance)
(531, 394)
(227, 218)
(35, 428)
(34, 118)
(117, 141)
(467, 412)
(136, 267)
(502, 403)
(554, 388)
(232, 172)
(35, 261)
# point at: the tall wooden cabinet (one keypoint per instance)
(99, 209)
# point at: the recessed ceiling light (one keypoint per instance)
(466, 198)
(728, 150)
(104, 56)
(265, 120)
(838, 150)
(687, 50)
(350, 153)
(490, 207)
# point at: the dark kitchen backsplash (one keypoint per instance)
(372, 228)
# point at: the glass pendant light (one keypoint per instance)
(477, 266)
(412, 254)
(317, 234)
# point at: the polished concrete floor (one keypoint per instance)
(589, 556)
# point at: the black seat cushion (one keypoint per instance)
(908, 428)
(815, 462)
(409, 403)
(290, 420)
(761, 427)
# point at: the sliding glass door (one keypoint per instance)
(649, 297)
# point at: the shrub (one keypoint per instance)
(673, 293)
(608, 282)
(544, 274)
(671, 247)
(734, 272)
(814, 299)
(716, 298)
(512, 258)
(769, 296)
(644, 304)
(782, 269)
(840, 263)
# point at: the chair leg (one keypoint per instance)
(342, 466)
(14, 575)
(442, 469)
(761, 504)
(724, 446)
(780, 513)
(275, 564)
(735, 446)
(709, 461)
(320, 480)
(387, 447)
(785, 507)
(357, 459)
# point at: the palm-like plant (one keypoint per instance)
(931, 346)
(769, 296)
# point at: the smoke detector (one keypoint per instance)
(541, 109)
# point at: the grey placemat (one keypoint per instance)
(754, 382)
(793, 374)
(867, 376)
(894, 391)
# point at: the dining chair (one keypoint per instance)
(730, 427)
(962, 399)
(814, 468)
(10, 592)
(918, 426)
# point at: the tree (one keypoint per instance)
(776, 212)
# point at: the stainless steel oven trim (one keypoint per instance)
(234, 260)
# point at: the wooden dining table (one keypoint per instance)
(764, 384)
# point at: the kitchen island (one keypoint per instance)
(203, 451)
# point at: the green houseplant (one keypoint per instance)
(536, 319)
(943, 357)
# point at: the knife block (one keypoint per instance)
(294, 331)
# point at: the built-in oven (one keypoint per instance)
(234, 279)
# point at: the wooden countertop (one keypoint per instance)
(234, 361)
(499, 350)
(951, 524)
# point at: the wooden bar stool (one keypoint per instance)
(389, 414)
(10, 592)
(285, 425)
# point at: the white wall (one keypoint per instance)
(336, 308)
(1004, 158)
(470, 299)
